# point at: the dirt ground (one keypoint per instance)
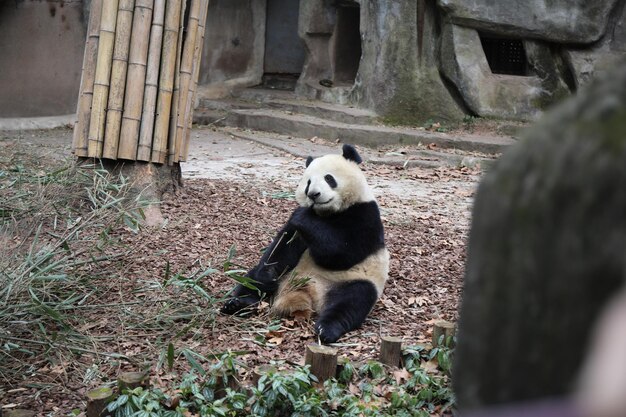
(237, 193)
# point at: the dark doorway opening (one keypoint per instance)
(284, 50)
(505, 55)
(347, 42)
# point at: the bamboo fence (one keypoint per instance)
(102, 78)
(140, 75)
(186, 137)
(85, 95)
(118, 78)
(176, 92)
(152, 82)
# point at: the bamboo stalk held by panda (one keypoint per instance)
(102, 78)
(146, 130)
(85, 97)
(390, 350)
(189, 107)
(166, 81)
(186, 70)
(136, 79)
(323, 361)
(118, 78)
(171, 145)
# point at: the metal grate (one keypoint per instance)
(505, 56)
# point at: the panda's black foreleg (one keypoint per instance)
(346, 307)
(279, 258)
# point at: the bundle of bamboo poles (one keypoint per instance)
(139, 78)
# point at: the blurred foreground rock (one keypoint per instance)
(547, 251)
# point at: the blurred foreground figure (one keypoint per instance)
(602, 391)
(547, 252)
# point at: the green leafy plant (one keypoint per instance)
(372, 391)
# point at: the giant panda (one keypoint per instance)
(330, 257)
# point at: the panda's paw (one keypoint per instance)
(328, 332)
(239, 305)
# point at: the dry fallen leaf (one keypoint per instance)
(401, 375)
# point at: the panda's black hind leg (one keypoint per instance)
(346, 307)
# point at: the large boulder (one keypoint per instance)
(398, 75)
(589, 63)
(547, 250)
(486, 94)
(561, 21)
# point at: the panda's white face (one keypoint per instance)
(331, 184)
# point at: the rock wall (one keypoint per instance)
(408, 60)
(234, 46)
(41, 55)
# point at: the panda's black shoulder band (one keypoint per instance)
(350, 153)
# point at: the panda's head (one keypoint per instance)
(332, 183)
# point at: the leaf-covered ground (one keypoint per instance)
(168, 285)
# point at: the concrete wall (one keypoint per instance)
(41, 54)
(234, 46)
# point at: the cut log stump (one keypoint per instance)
(442, 328)
(97, 401)
(259, 371)
(323, 361)
(391, 350)
(132, 380)
(17, 413)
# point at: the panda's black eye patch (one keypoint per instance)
(330, 180)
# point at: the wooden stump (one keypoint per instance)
(132, 380)
(220, 387)
(444, 328)
(391, 350)
(323, 361)
(17, 413)
(97, 401)
(259, 371)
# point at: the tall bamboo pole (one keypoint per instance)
(85, 97)
(102, 78)
(194, 81)
(152, 82)
(171, 144)
(166, 80)
(118, 78)
(186, 70)
(136, 79)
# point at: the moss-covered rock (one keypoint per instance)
(546, 251)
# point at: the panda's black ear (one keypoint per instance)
(308, 161)
(351, 154)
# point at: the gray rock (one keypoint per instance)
(546, 252)
(463, 62)
(588, 63)
(562, 21)
(398, 75)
